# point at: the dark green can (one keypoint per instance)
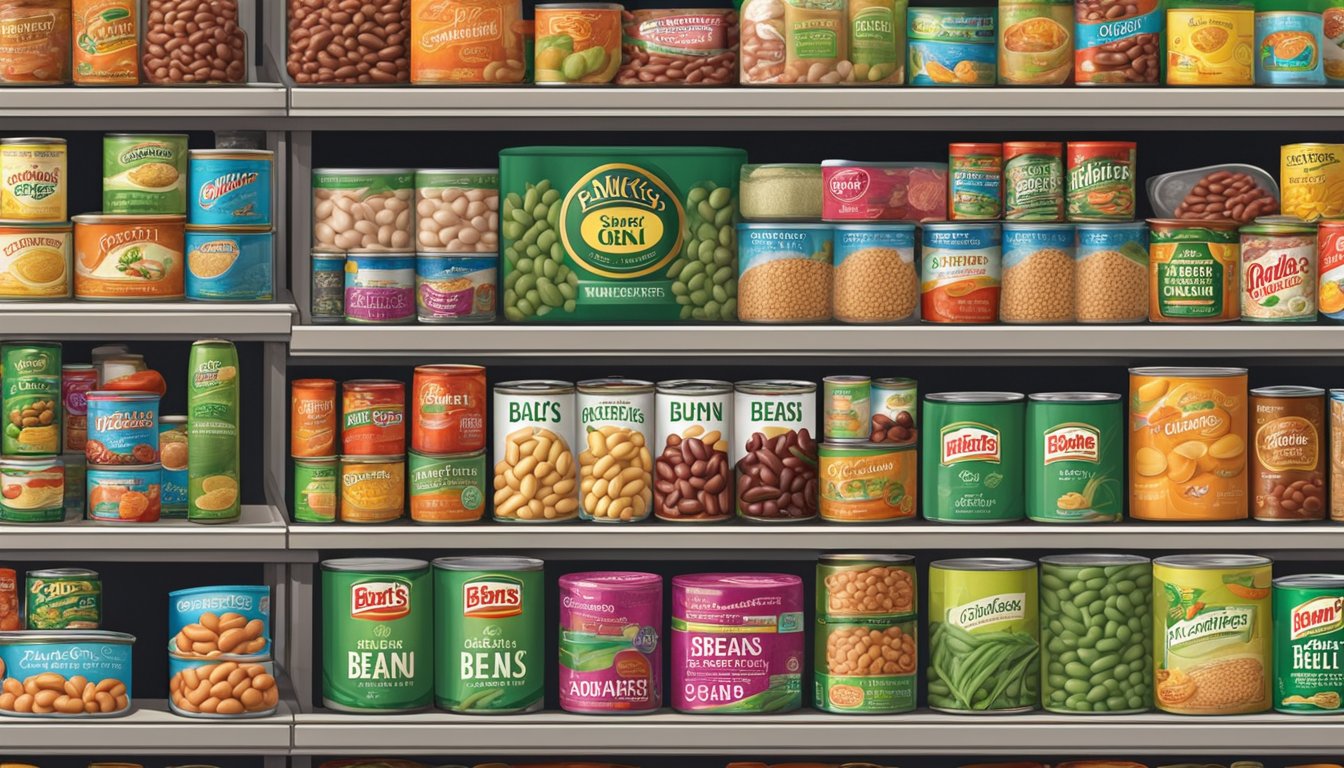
(315, 490)
(1309, 643)
(972, 457)
(1075, 457)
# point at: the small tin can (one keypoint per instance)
(1033, 181)
(63, 598)
(972, 459)
(867, 483)
(315, 489)
(456, 288)
(77, 381)
(123, 428)
(1287, 472)
(448, 409)
(1111, 273)
(974, 181)
(863, 251)
(1038, 266)
(9, 600)
(1278, 272)
(1337, 454)
(126, 494)
(247, 699)
(35, 260)
(76, 482)
(145, 173)
(230, 188)
(611, 647)
(327, 304)
(30, 397)
(1193, 271)
(373, 488)
(1288, 44)
(577, 43)
(847, 410)
(312, 418)
(1101, 180)
(616, 420)
(1308, 643)
(1075, 457)
(894, 404)
(773, 420)
(373, 417)
(34, 490)
(447, 488)
(961, 269)
(226, 265)
(34, 181)
(380, 288)
(694, 421)
(173, 455)
(1210, 44)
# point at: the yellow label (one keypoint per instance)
(1211, 47)
(1311, 180)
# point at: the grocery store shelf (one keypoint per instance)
(813, 733)
(145, 102)
(146, 320)
(151, 729)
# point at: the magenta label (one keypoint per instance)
(379, 305)
(74, 392)
(905, 192)
(447, 304)
(610, 651)
(379, 289)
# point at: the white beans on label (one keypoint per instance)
(357, 220)
(457, 219)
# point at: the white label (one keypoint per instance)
(966, 441)
(771, 415)
(701, 414)
(553, 412)
(1072, 442)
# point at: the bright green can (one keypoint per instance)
(972, 457)
(490, 656)
(1309, 643)
(448, 488)
(213, 485)
(31, 396)
(847, 404)
(377, 635)
(315, 490)
(1075, 457)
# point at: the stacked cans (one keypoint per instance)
(448, 436)
(124, 476)
(35, 230)
(31, 470)
(230, 241)
(221, 634)
(867, 465)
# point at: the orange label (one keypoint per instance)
(578, 45)
(34, 42)
(312, 424)
(373, 492)
(466, 41)
(374, 418)
(1288, 463)
(106, 49)
(449, 409)
(862, 484)
(129, 258)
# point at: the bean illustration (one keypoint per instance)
(989, 671)
(1096, 633)
(704, 275)
(536, 280)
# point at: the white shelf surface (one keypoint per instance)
(250, 321)
(150, 729)
(814, 733)
(146, 101)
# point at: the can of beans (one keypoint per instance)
(853, 587)
(1278, 272)
(961, 267)
(63, 598)
(894, 404)
(1193, 271)
(694, 46)
(457, 210)
(77, 381)
(373, 488)
(775, 452)
(448, 409)
(1038, 266)
(447, 489)
(865, 667)
(30, 391)
(1117, 43)
(373, 417)
(616, 466)
(972, 457)
(694, 418)
(1288, 460)
(1075, 457)
(315, 490)
(380, 288)
(1337, 454)
(611, 650)
(534, 423)
(846, 407)
(123, 428)
(1330, 263)
(975, 181)
(875, 278)
(865, 483)
(1111, 273)
(1033, 181)
(785, 272)
(1308, 643)
(328, 288)
(1101, 180)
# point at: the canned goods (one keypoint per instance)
(123, 428)
(1033, 181)
(779, 259)
(455, 288)
(1311, 181)
(256, 694)
(32, 490)
(846, 402)
(491, 645)
(611, 652)
(1111, 273)
(30, 395)
(1278, 273)
(577, 43)
(133, 256)
(107, 46)
(693, 428)
(952, 47)
(538, 415)
(373, 488)
(866, 483)
(1101, 180)
(9, 600)
(328, 288)
(616, 468)
(1117, 47)
(1193, 271)
(95, 662)
(34, 182)
(1075, 457)
(373, 417)
(773, 426)
(1035, 42)
(975, 181)
(858, 588)
(847, 679)
(1308, 643)
(1337, 454)
(448, 409)
(894, 402)
(379, 288)
(961, 268)
(456, 213)
(230, 188)
(1210, 44)
(972, 460)
(312, 418)
(315, 490)
(77, 381)
(875, 272)
(447, 489)
(377, 635)
(1330, 263)
(174, 457)
(63, 598)
(229, 265)
(35, 260)
(1288, 463)
(145, 173)
(1288, 44)
(213, 490)
(125, 494)
(1038, 267)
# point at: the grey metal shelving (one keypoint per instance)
(148, 320)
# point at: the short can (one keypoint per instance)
(1101, 180)
(129, 257)
(32, 490)
(854, 190)
(1210, 44)
(1330, 269)
(230, 188)
(1035, 42)
(373, 417)
(213, 405)
(737, 643)
(774, 449)
(694, 420)
(538, 415)
(1308, 643)
(76, 481)
(253, 692)
(35, 260)
(1033, 181)
(233, 619)
(975, 181)
(328, 288)
(867, 483)
(63, 598)
(611, 647)
(951, 47)
(447, 488)
(313, 418)
(704, 40)
(9, 600)
(377, 635)
(1111, 274)
(373, 488)
(35, 44)
(1038, 273)
(1288, 48)
(457, 212)
(30, 391)
(315, 489)
(34, 182)
(1311, 180)
(961, 268)
(380, 288)
(1193, 271)
(77, 381)
(174, 458)
(1337, 454)
(1212, 634)
(1278, 273)
(145, 173)
(862, 587)
(972, 462)
(456, 288)
(68, 669)
(227, 265)
(1075, 457)
(846, 407)
(448, 409)
(1287, 472)
(986, 608)
(490, 653)
(866, 667)
(875, 274)
(616, 465)
(577, 43)
(125, 494)
(123, 428)
(784, 272)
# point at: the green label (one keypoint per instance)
(377, 640)
(213, 487)
(1075, 460)
(1308, 649)
(144, 174)
(1190, 284)
(314, 491)
(875, 37)
(983, 651)
(621, 221)
(32, 409)
(815, 42)
(846, 677)
(64, 603)
(1101, 189)
(447, 487)
(1033, 188)
(972, 462)
(491, 652)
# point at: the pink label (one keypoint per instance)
(74, 389)
(379, 304)
(450, 304)
(610, 650)
(906, 193)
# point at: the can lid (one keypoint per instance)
(226, 152)
(775, 387)
(894, 382)
(733, 580)
(1036, 226)
(1075, 397)
(373, 384)
(1207, 373)
(63, 573)
(456, 171)
(983, 564)
(847, 379)
(960, 225)
(452, 369)
(66, 636)
(374, 564)
(107, 394)
(32, 140)
(694, 387)
(1311, 581)
(976, 397)
(488, 564)
(1288, 390)
(615, 384)
(22, 462)
(1095, 559)
(146, 136)
(534, 387)
(1212, 561)
(617, 580)
(853, 558)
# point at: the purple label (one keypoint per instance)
(379, 304)
(450, 304)
(610, 651)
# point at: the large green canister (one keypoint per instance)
(30, 389)
(1309, 643)
(1075, 457)
(972, 460)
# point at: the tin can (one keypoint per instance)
(775, 420)
(448, 403)
(312, 418)
(106, 34)
(99, 661)
(123, 428)
(577, 43)
(35, 44)
(229, 265)
(615, 416)
(1212, 634)
(538, 414)
(455, 213)
(895, 402)
(455, 288)
(979, 603)
(1278, 273)
(951, 47)
(1332, 34)
(9, 600)
(1111, 273)
(125, 494)
(847, 680)
(874, 248)
(1337, 454)
(865, 483)
(30, 395)
(1035, 42)
(489, 656)
(1033, 181)
(252, 701)
(373, 488)
(857, 588)
(694, 418)
(1038, 267)
(1308, 643)
(174, 456)
(774, 255)
(1099, 34)
(1288, 463)
(1193, 271)
(1288, 47)
(1075, 457)
(145, 173)
(246, 607)
(123, 257)
(961, 268)
(1101, 180)
(76, 480)
(1330, 263)
(972, 459)
(1187, 443)
(213, 489)
(315, 490)
(447, 489)
(77, 380)
(230, 188)
(363, 192)
(611, 653)
(380, 288)
(35, 260)
(373, 417)
(1311, 181)
(1210, 44)
(32, 490)
(975, 181)
(846, 407)
(328, 288)
(34, 182)
(447, 48)
(63, 598)
(377, 635)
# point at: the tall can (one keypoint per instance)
(538, 415)
(315, 496)
(175, 457)
(9, 600)
(895, 406)
(972, 457)
(63, 598)
(1033, 181)
(213, 482)
(1330, 260)
(616, 465)
(961, 268)
(312, 418)
(77, 381)
(983, 635)
(1117, 47)
(866, 602)
(611, 651)
(975, 181)
(448, 409)
(373, 417)
(1337, 454)
(106, 38)
(377, 635)
(1287, 472)
(1075, 457)
(694, 424)
(846, 405)
(1308, 643)
(490, 649)
(775, 452)
(30, 390)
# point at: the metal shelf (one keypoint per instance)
(146, 320)
(185, 106)
(151, 729)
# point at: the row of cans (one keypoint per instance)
(398, 288)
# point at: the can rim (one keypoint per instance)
(1050, 226)
(363, 171)
(454, 369)
(267, 153)
(394, 564)
(722, 580)
(1075, 397)
(614, 384)
(32, 140)
(693, 387)
(847, 378)
(862, 444)
(1097, 558)
(1288, 390)
(1310, 580)
(386, 458)
(458, 171)
(775, 387)
(66, 636)
(1188, 371)
(847, 558)
(534, 387)
(808, 226)
(624, 581)
(938, 225)
(896, 381)
(983, 564)
(976, 397)
(1212, 561)
(118, 396)
(487, 563)
(375, 383)
(63, 573)
(146, 136)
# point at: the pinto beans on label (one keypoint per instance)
(194, 41)
(349, 41)
(1227, 195)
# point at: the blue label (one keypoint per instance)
(1095, 35)
(229, 192)
(966, 25)
(758, 244)
(1288, 49)
(248, 601)
(969, 238)
(1019, 244)
(95, 661)
(1111, 238)
(229, 266)
(173, 494)
(952, 64)
(849, 241)
(433, 266)
(122, 430)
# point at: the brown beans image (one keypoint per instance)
(1131, 60)
(693, 479)
(786, 290)
(51, 693)
(717, 65)
(349, 41)
(224, 688)
(763, 48)
(1109, 288)
(899, 430)
(194, 41)
(1299, 499)
(877, 590)
(615, 475)
(535, 479)
(1038, 289)
(875, 285)
(777, 478)
(862, 651)
(35, 414)
(215, 634)
(1227, 195)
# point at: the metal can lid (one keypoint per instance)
(983, 564)
(694, 387)
(1094, 559)
(618, 384)
(118, 396)
(1311, 581)
(63, 573)
(477, 563)
(1187, 371)
(848, 379)
(895, 382)
(1201, 562)
(1075, 397)
(775, 387)
(32, 140)
(374, 564)
(853, 558)
(976, 397)
(1288, 390)
(534, 387)
(67, 636)
(616, 580)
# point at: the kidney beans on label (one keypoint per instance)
(1116, 42)
(777, 478)
(194, 41)
(1227, 195)
(676, 47)
(888, 430)
(693, 481)
(349, 41)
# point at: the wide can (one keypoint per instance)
(1193, 271)
(448, 409)
(1278, 273)
(1101, 180)
(694, 424)
(865, 482)
(230, 188)
(377, 635)
(315, 490)
(1111, 274)
(774, 451)
(123, 428)
(895, 407)
(373, 488)
(845, 403)
(1210, 44)
(373, 417)
(447, 489)
(537, 415)
(1075, 457)
(1330, 263)
(30, 395)
(1311, 180)
(213, 480)
(33, 490)
(983, 635)
(34, 182)
(312, 418)
(951, 47)
(124, 494)
(35, 260)
(145, 173)
(1033, 181)
(231, 265)
(616, 465)
(577, 43)
(1212, 634)
(490, 653)
(866, 588)
(96, 663)
(972, 462)
(380, 288)
(611, 652)
(129, 257)
(63, 598)
(975, 181)
(1035, 42)
(961, 265)
(1288, 464)
(1308, 643)
(1187, 443)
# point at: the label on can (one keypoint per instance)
(775, 421)
(1311, 180)
(447, 489)
(125, 494)
(173, 455)
(1193, 272)
(312, 418)
(1308, 643)
(9, 600)
(373, 488)
(693, 420)
(1097, 37)
(867, 483)
(76, 383)
(972, 460)
(379, 289)
(961, 265)
(1075, 457)
(230, 188)
(1330, 251)
(64, 598)
(123, 428)
(328, 303)
(975, 181)
(33, 176)
(213, 490)
(1035, 42)
(1101, 180)
(374, 417)
(315, 490)
(1033, 181)
(537, 414)
(1288, 48)
(1337, 454)
(616, 422)
(448, 404)
(455, 288)
(847, 679)
(895, 403)
(846, 402)
(144, 173)
(1111, 275)
(1288, 460)
(32, 490)
(31, 387)
(229, 266)
(610, 648)
(1211, 45)
(1278, 274)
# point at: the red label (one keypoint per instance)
(380, 600)
(492, 597)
